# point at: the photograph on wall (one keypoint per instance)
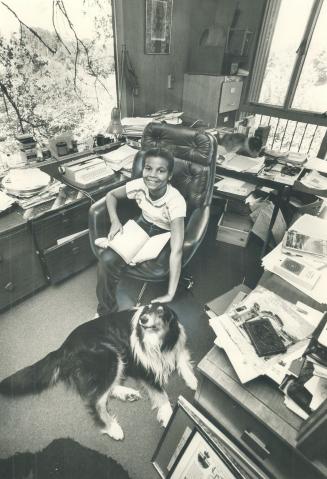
(158, 19)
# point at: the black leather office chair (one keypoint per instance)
(193, 176)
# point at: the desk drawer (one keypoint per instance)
(234, 229)
(282, 461)
(59, 224)
(68, 258)
(20, 268)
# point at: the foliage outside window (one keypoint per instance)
(289, 82)
(57, 69)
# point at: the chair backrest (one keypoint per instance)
(195, 160)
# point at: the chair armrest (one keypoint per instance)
(99, 223)
(194, 233)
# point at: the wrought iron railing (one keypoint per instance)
(292, 135)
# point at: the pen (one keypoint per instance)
(293, 254)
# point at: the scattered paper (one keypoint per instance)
(314, 180)
(316, 164)
(308, 225)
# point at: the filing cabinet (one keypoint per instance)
(21, 272)
(63, 259)
(214, 99)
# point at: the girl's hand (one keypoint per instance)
(115, 228)
(163, 299)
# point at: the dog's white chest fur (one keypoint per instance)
(150, 356)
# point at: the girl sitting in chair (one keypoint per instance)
(163, 209)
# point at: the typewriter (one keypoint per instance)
(86, 173)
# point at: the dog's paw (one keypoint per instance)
(114, 430)
(164, 413)
(133, 395)
(192, 383)
(125, 394)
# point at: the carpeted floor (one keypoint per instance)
(39, 324)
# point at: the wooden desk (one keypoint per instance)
(254, 414)
(29, 255)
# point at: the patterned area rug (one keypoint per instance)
(62, 459)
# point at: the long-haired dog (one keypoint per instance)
(147, 344)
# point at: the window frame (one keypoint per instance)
(251, 104)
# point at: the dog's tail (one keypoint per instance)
(35, 378)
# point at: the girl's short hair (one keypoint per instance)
(161, 153)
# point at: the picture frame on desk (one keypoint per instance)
(158, 22)
(199, 458)
(188, 436)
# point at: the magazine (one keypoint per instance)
(301, 243)
(134, 245)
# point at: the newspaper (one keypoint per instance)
(292, 326)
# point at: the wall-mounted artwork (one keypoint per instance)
(158, 20)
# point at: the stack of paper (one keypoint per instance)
(274, 261)
(314, 180)
(234, 187)
(241, 163)
(5, 201)
(134, 126)
(123, 157)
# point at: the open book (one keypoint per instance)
(134, 245)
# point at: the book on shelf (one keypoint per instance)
(134, 245)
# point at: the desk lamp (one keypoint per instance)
(115, 127)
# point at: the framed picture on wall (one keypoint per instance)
(158, 20)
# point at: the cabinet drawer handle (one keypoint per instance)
(10, 286)
(75, 250)
(255, 444)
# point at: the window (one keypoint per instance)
(288, 87)
(57, 69)
(295, 73)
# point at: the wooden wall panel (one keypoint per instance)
(153, 70)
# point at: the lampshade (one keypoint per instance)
(115, 127)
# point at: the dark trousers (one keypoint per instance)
(111, 269)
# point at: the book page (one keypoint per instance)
(152, 248)
(130, 241)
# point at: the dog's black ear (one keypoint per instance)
(173, 333)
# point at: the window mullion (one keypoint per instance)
(263, 48)
(302, 53)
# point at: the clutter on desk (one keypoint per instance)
(6, 201)
(305, 271)
(237, 188)
(305, 385)
(121, 159)
(134, 126)
(280, 172)
(25, 182)
(241, 163)
(314, 180)
(289, 157)
(171, 117)
(316, 164)
(264, 351)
